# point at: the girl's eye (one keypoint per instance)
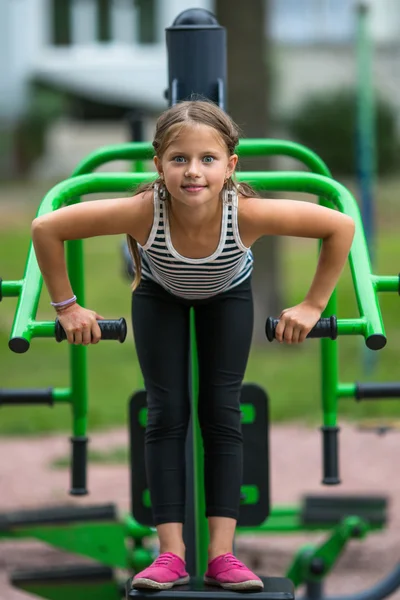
(208, 159)
(179, 159)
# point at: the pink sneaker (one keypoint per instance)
(231, 574)
(165, 572)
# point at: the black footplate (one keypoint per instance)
(330, 510)
(275, 588)
(58, 515)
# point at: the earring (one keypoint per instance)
(162, 190)
(229, 189)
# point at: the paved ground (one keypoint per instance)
(369, 464)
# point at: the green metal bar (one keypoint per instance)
(260, 147)
(43, 329)
(346, 390)
(366, 296)
(61, 395)
(78, 354)
(351, 326)
(386, 283)
(201, 526)
(134, 530)
(24, 320)
(106, 154)
(371, 318)
(9, 289)
(329, 551)
(249, 147)
(28, 300)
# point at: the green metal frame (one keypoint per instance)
(367, 285)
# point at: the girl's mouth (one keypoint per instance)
(193, 188)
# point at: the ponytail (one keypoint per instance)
(134, 251)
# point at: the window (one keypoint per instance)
(61, 22)
(311, 21)
(104, 20)
(146, 21)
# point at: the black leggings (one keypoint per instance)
(224, 326)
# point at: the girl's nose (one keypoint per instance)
(192, 170)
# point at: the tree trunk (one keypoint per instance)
(247, 103)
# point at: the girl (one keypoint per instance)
(190, 235)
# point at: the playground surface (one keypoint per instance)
(369, 465)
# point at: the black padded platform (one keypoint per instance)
(58, 515)
(275, 588)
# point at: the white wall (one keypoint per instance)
(21, 36)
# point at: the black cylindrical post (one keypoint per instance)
(79, 466)
(330, 444)
(196, 45)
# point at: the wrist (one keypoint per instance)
(65, 309)
(316, 303)
(61, 305)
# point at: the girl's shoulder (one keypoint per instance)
(248, 218)
(144, 202)
(249, 208)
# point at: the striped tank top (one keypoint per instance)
(196, 278)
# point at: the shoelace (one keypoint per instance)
(162, 560)
(232, 560)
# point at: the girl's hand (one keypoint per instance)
(80, 325)
(296, 323)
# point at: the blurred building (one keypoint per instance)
(109, 48)
(314, 48)
(113, 51)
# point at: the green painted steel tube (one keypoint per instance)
(265, 147)
(386, 283)
(10, 289)
(351, 326)
(315, 184)
(78, 354)
(28, 301)
(62, 395)
(24, 327)
(134, 529)
(201, 527)
(346, 390)
(106, 154)
(366, 296)
(246, 147)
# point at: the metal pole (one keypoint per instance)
(365, 135)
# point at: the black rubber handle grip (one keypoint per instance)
(330, 450)
(78, 466)
(110, 330)
(324, 328)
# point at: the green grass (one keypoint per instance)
(289, 374)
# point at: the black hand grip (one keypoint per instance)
(330, 448)
(78, 466)
(326, 327)
(110, 330)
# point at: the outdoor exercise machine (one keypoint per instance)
(99, 532)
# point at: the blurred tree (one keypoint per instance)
(248, 104)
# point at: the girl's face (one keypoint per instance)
(196, 165)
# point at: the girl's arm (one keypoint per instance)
(79, 221)
(307, 220)
(89, 219)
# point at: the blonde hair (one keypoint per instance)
(168, 127)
